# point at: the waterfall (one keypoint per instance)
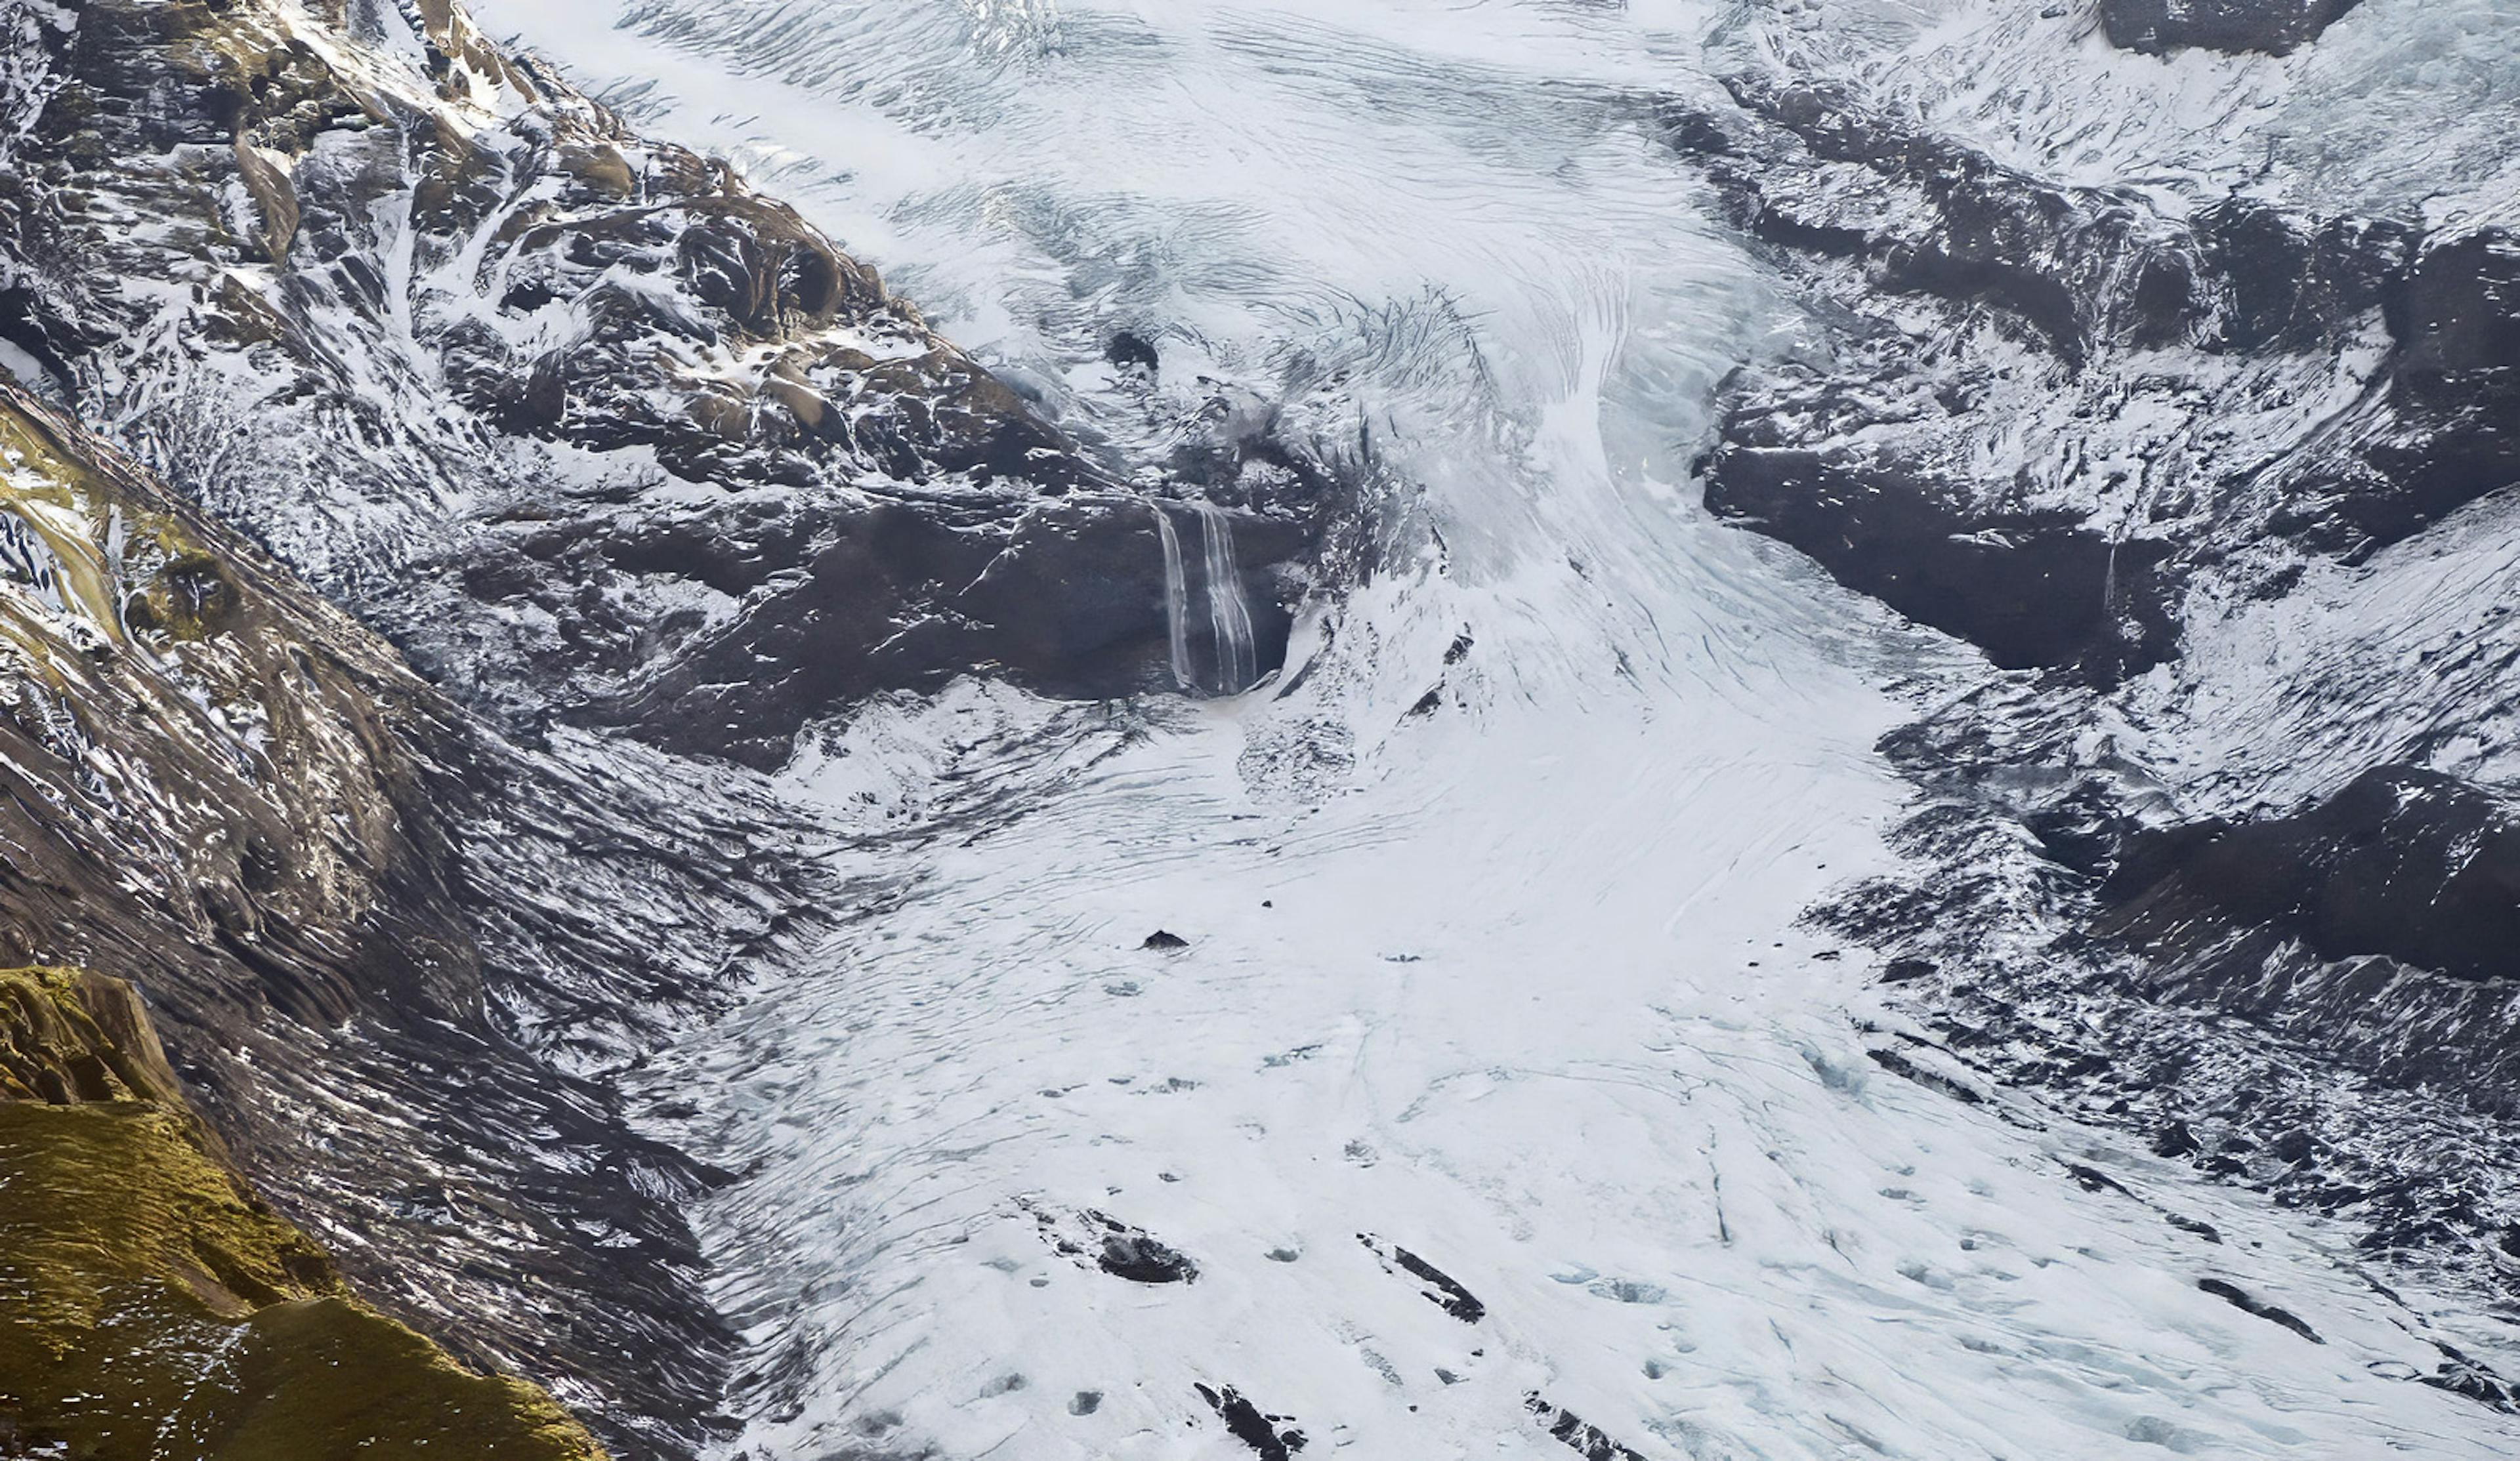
(1228, 614)
(1175, 597)
(1229, 617)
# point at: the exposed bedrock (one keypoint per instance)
(594, 426)
(2034, 412)
(2276, 27)
(2284, 280)
(2381, 925)
(2032, 589)
(2454, 395)
(2312, 1000)
(375, 939)
(1810, 166)
(2404, 862)
(1069, 597)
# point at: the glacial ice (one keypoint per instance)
(1493, 953)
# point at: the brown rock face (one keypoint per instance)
(68, 1035)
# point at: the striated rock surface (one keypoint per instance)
(159, 1306)
(365, 927)
(603, 433)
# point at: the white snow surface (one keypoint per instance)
(1490, 899)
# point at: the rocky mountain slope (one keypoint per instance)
(604, 439)
(2193, 454)
(361, 922)
(597, 431)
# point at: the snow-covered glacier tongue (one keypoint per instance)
(1423, 1050)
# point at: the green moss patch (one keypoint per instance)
(152, 1308)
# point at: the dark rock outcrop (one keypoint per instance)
(2454, 395)
(2032, 589)
(2287, 281)
(2406, 863)
(1094, 1239)
(1806, 164)
(1440, 1288)
(2202, 989)
(1271, 1437)
(2249, 1304)
(2103, 398)
(1577, 1433)
(2276, 27)
(602, 432)
(2380, 926)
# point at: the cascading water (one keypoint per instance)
(1175, 597)
(1221, 593)
(1229, 613)
(1492, 967)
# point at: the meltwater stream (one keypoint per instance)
(1492, 1103)
(1221, 600)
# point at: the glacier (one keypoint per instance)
(1490, 1092)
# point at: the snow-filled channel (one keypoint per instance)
(1491, 966)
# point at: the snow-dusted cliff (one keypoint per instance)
(593, 428)
(1877, 812)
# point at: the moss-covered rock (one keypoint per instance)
(66, 1035)
(223, 789)
(155, 1307)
